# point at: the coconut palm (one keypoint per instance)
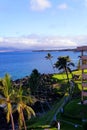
(21, 102)
(64, 63)
(7, 97)
(49, 57)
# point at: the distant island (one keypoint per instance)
(54, 50)
(9, 49)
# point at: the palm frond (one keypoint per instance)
(8, 116)
(30, 111)
(2, 100)
(71, 64)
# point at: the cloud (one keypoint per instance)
(39, 5)
(1, 39)
(81, 40)
(38, 42)
(63, 6)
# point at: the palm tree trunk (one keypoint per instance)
(24, 120)
(68, 80)
(52, 65)
(12, 121)
(67, 75)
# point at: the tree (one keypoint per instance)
(22, 106)
(49, 57)
(34, 80)
(64, 63)
(7, 97)
(14, 98)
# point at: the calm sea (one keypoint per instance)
(20, 64)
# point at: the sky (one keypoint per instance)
(43, 24)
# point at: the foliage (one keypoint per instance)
(47, 118)
(33, 80)
(21, 102)
(7, 97)
(14, 98)
(42, 121)
(49, 57)
(85, 125)
(64, 63)
(76, 109)
(18, 97)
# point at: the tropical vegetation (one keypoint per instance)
(50, 90)
(49, 57)
(64, 63)
(14, 100)
(7, 98)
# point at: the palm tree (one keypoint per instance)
(7, 97)
(21, 102)
(49, 57)
(64, 63)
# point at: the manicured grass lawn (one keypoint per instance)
(61, 77)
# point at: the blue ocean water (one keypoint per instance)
(21, 64)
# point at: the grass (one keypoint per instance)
(46, 119)
(65, 126)
(73, 112)
(61, 77)
(75, 109)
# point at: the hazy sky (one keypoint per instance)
(43, 23)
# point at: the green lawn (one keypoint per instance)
(46, 119)
(70, 110)
(73, 114)
(73, 111)
(65, 126)
(61, 77)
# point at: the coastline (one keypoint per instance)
(39, 50)
(50, 50)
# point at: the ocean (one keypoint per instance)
(21, 64)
